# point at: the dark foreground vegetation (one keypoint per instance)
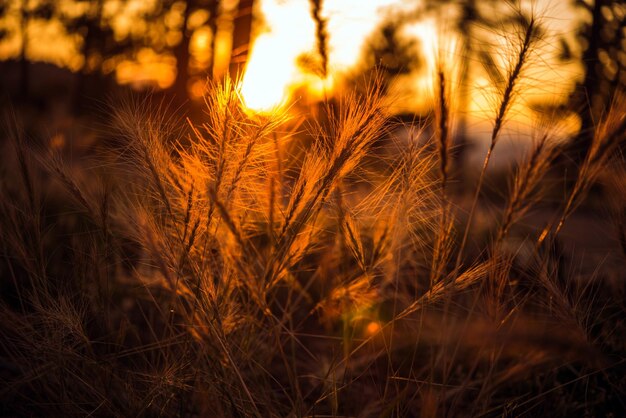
(258, 268)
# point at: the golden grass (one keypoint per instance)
(244, 266)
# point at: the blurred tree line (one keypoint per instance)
(601, 49)
(602, 37)
(168, 26)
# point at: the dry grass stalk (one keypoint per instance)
(607, 136)
(321, 34)
(442, 116)
(526, 183)
(527, 41)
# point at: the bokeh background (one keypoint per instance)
(172, 244)
(66, 54)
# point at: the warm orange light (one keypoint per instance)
(372, 328)
(148, 69)
(265, 83)
(198, 88)
(319, 87)
(273, 71)
(272, 63)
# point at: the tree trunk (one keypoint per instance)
(461, 140)
(585, 94)
(241, 38)
(86, 79)
(24, 85)
(213, 11)
(182, 54)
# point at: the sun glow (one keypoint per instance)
(273, 72)
(271, 67)
(264, 85)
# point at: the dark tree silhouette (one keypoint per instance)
(605, 66)
(241, 37)
(181, 50)
(470, 16)
(214, 10)
(389, 53)
(27, 12)
(98, 43)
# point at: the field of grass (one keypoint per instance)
(284, 266)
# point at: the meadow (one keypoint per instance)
(287, 265)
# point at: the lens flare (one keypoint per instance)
(373, 328)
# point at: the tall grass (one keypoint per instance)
(246, 266)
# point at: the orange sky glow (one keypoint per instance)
(273, 74)
(287, 31)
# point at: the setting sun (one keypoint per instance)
(267, 76)
(288, 33)
(271, 68)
